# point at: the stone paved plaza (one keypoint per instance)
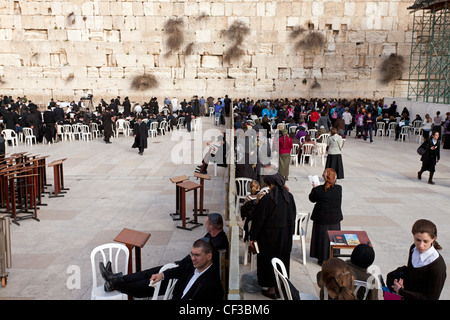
(112, 187)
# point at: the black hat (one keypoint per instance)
(362, 256)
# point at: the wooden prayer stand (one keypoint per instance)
(37, 164)
(202, 177)
(185, 187)
(58, 177)
(176, 215)
(133, 239)
(42, 170)
(25, 182)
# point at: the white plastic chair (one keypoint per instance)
(307, 152)
(86, 135)
(292, 129)
(170, 284)
(196, 124)
(128, 128)
(380, 128)
(95, 131)
(211, 112)
(404, 133)
(76, 131)
(419, 137)
(242, 190)
(29, 136)
(300, 230)
(320, 151)
(324, 136)
(10, 135)
(116, 253)
(391, 129)
(120, 128)
(163, 126)
(282, 282)
(294, 154)
(67, 132)
(417, 126)
(180, 123)
(312, 133)
(281, 276)
(357, 285)
(60, 132)
(153, 131)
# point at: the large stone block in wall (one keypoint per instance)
(211, 61)
(212, 73)
(10, 59)
(238, 73)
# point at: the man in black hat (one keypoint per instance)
(108, 121)
(140, 132)
(361, 259)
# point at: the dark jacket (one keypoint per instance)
(207, 287)
(424, 283)
(327, 209)
(430, 157)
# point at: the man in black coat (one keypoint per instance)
(137, 284)
(431, 156)
(126, 107)
(140, 132)
(227, 102)
(107, 120)
(10, 120)
(50, 122)
(197, 281)
(188, 116)
(59, 114)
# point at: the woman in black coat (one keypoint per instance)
(424, 276)
(272, 229)
(326, 215)
(431, 156)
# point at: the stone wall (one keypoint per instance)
(68, 49)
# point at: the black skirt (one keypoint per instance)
(320, 243)
(446, 144)
(334, 161)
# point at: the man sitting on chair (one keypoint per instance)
(137, 284)
(196, 281)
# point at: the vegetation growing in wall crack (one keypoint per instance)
(144, 82)
(236, 34)
(173, 29)
(391, 68)
(315, 85)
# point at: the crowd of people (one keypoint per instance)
(16, 114)
(271, 207)
(268, 219)
(269, 214)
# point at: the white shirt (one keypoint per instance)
(193, 279)
(425, 258)
(347, 116)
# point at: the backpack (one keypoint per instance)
(360, 122)
(334, 116)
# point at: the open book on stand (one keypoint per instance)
(352, 239)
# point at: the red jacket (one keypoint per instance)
(314, 116)
(285, 145)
